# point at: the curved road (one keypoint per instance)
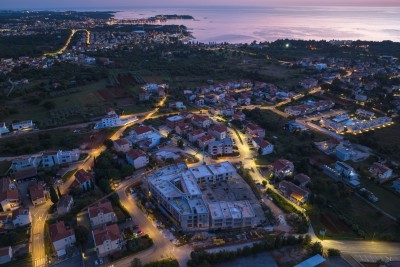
(40, 212)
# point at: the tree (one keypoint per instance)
(136, 263)
(49, 105)
(53, 195)
(81, 234)
(264, 182)
(108, 143)
(180, 143)
(332, 252)
(316, 248)
(59, 192)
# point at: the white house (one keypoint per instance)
(121, 145)
(101, 213)
(21, 217)
(107, 239)
(3, 128)
(263, 146)
(6, 254)
(24, 163)
(137, 158)
(62, 237)
(22, 126)
(220, 147)
(52, 158)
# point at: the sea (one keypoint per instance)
(248, 24)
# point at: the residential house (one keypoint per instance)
(264, 147)
(62, 237)
(65, 204)
(195, 135)
(107, 239)
(25, 174)
(83, 179)
(9, 199)
(230, 101)
(6, 254)
(205, 140)
(344, 151)
(199, 101)
(294, 192)
(201, 121)
(3, 129)
(22, 126)
(121, 145)
(101, 213)
(183, 128)
(254, 130)
(52, 158)
(218, 131)
(176, 105)
(239, 116)
(21, 217)
(345, 170)
(302, 179)
(220, 147)
(309, 84)
(174, 121)
(283, 168)
(144, 96)
(381, 172)
(37, 193)
(137, 158)
(25, 163)
(111, 119)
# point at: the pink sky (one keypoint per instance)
(173, 3)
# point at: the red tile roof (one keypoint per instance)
(36, 191)
(198, 118)
(219, 128)
(380, 167)
(59, 231)
(9, 194)
(121, 142)
(50, 153)
(142, 129)
(24, 174)
(4, 251)
(100, 208)
(83, 176)
(206, 138)
(282, 164)
(110, 232)
(135, 153)
(19, 211)
(197, 132)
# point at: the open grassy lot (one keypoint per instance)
(385, 141)
(387, 197)
(82, 98)
(35, 142)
